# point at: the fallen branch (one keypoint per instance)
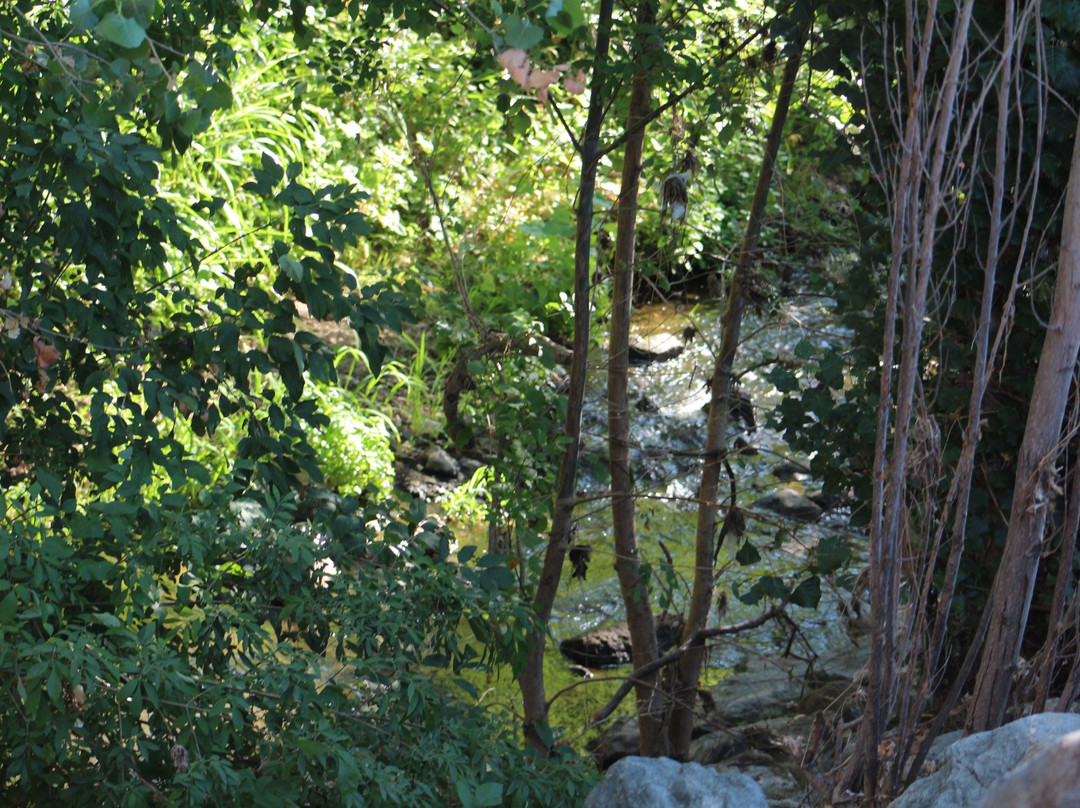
(674, 655)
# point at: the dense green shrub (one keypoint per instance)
(235, 656)
(174, 629)
(353, 449)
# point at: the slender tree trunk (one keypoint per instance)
(1010, 597)
(688, 671)
(923, 679)
(1063, 599)
(531, 679)
(639, 614)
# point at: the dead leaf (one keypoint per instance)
(516, 63)
(574, 84)
(46, 352)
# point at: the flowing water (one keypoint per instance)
(668, 427)
(669, 400)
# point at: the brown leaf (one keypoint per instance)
(516, 63)
(575, 84)
(46, 352)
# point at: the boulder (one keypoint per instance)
(764, 687)
(636, 782)
(965, 772)
(791, 504)
(611, 646)
(791, 470)
(439, 461)
(657, 347)
(619, 740)
(1051, 779)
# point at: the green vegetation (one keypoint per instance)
(255, 256)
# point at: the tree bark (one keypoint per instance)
(639, 614)
(531, 678)
(1033, 492)
(688, 670)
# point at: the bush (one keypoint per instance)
(353, 450)
(235, 656)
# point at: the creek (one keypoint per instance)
(669, 398)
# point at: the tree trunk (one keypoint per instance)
(1033, 493)
(639, 614)
(688, 671)
(531, 679)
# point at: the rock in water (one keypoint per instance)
(636, 782)
(791, 504)
(658, 347)
(439, 461)
(611, 646)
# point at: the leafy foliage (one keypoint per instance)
(235, 656)
(176, 628)
(353, 449)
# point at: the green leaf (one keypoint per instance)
(82, 16)
(830, 555)
(1061, 13)
(519, 33)
(565, 16)
(496, 579)
(808, 593)
(50, 483)
(768, 586)
(124, 31)
(561, 225)
(292, 268)
(544, 733)
(831, 371)
(747, 554)
(488, 794)
(465, 792)
(468, 687)
(141, 10)
(804, 349)
(8, 606)
(783, 379)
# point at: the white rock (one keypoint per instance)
(1049, 780)
(636, 782)
(969, 768)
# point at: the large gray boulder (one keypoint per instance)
(966, 771)
(636, 782)
(1051, 779)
